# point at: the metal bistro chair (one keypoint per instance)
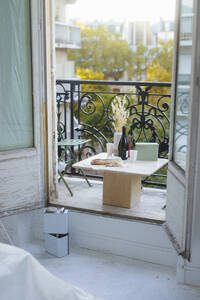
(67, 144)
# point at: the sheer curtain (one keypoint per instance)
(16, 112)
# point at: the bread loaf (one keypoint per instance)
(104, 162)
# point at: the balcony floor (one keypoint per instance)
(89, 199)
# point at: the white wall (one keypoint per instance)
(64, 67)
(139, 240)
(185, 64)
(60, 10)
(23, 228)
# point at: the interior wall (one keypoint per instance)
(23, 228)
(138, 240)
(132, 239)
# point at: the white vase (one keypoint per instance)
(117, 137)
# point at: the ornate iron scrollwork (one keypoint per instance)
(148, 112)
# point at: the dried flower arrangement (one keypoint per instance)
(120, 114)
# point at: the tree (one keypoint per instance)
(87, 74)
(160, 66)
(155, 72)
(92, 110)
(102, 51)
(137, 69)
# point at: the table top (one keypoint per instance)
(143, 168)
(73, 142)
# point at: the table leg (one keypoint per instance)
(122, 190)
(85, 176)
(65, 183)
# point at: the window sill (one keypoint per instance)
(89, 199)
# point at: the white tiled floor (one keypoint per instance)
(116, 278)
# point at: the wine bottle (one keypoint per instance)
(123, 145)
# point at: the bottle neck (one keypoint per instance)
(124, 130)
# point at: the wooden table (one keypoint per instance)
(122, 185)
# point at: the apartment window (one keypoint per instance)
(183, 90)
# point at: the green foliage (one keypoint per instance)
(92, 109)
(160, 68)
(162, 54)
(102, 57)
(102, 51)
(160, 64)
(159, 179)
(87, 74)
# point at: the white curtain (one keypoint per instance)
(16, 120)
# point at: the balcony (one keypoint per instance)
(186, 39)
(186, 30)
(84, 111)
(67, 36)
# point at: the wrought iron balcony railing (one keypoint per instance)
(84, 110)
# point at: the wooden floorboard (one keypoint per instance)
(89, 199)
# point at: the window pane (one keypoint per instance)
(183, 83)
(16, 120)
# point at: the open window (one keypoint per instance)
(22, 103)
(184, 122)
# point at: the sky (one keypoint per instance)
(119, 10)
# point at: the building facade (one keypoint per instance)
(66, 37)
(138, 32)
